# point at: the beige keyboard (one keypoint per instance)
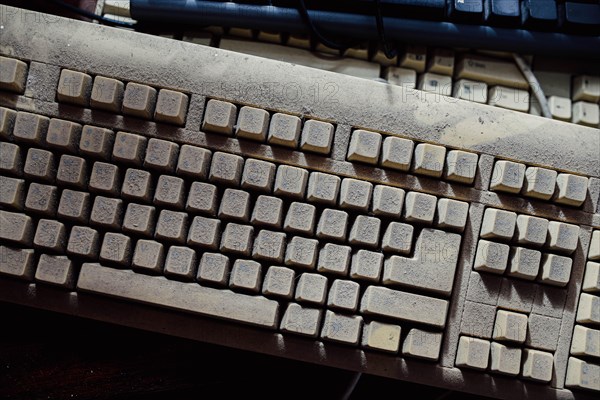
(302, 213)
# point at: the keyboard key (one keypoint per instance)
(404, 77)
(148, 256)
(461, 166)
(537, 365)
(585, 113)
(169, 192)
(311, 288)
(30, 128)
(512, 99)
(301, 252)
(531, 230)
(161, 155)
(300, 219)
(539, 183)
(499, 224)
(364, 146)
(317, 137)
(13, 192)
(72, 171)
(213, 268)
(379, 336)
(107, 94)
(16, 262)
(524, 263)
(560, 108)
(510, 326)
(301, 320)
(180, 262)
(40, 165)
(219, 116)
(172, 226)
(269, 246)
(74, 87)
(397, 153)
(343, 295)
(466, 9)
(139, 100)
(332, 225)
(473, 353)
(258, 175)
(508, 176)
(96, 142)
(571, 189)
(591, 282)
(422, 344)
(16, 228)
(55, 270)
(279, 282)
(226, 168)
(84, 242)
(435, 83)
(452, 214)
(237, 239)
(387, 201)
(355, 194)
(105, 179)
(171, 107)
(556, 270)
(492, 71)
(74, 206)
(366, 265)
(442, 62)
(586, 88)
(504, 11)
(41, 199)
(467, 89)
(235, 205)
(341, 328)
(284, 130)
(429, 159)
(540, 13)
(585, 16)
(594, 252)
(245, 275)
(7, 122)
(414, 58)
(562, 237)
(404, 306)
(505, 360)
(397, 238)
(365, 231)
(491, 257)
(14, 74)
(129, 148)
(585, 342)
(252, 124)
(582, 375)
(116, 249)
(420, 207)
(334, 259)
(139, 219)
(323, 188)
(290, 181)
(267, 212)
(588, 311)
(137, 185)
(187, 297)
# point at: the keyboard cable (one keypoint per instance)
(389, 53)
(315, 32)
(534, 83)
(91, 15)
(352, 386)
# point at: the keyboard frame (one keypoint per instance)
(204, 72)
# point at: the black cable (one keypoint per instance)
(92, 15)
(304, 14)
(389, 53)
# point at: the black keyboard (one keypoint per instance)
(552, 27)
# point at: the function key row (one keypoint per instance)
(403, 155)
(112, 95)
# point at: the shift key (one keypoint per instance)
(491, 71)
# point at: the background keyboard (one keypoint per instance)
(223, 198)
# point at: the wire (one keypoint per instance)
(92, 15)
(307, 20)
(534, 83)
(389, 53)
(352, 386)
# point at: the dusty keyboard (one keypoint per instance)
(276, 208)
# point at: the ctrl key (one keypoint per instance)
(17, 262)
(583, 375)
(473, 353)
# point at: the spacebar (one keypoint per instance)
(188, 297)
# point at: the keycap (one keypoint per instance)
(252, 123)
(586, 88)
(311, 288)
(491, 257)
(290, 181)
(245, 275)
(148, 256)
(50, 235)
(539, 183)
(255, 310)
(334, 259)
(473, 353)
(258, 175)
(506, 97)
(407, 78)
(16, 262)
(10, 159)
(30, 128)
(7, 122)
(74, 87)
(139, 219)
(323, 188)
(404, 306)
(397, 238)
(585, 342)
(219, 116)
(435, 83)
(40, 165)
(317, 137)
(107, 94)
(301, 320)
(137, 185)
(301, 252)
(170, 192)
(235, 205)
(366, 265)
(571, 189)
(105, 179)
(441, 61)
(226, 168)
(498, 224)
(237, 239)
(422, 344)
(537, 365)
(202, 199)
(461, 166)
(13, 192)
(510, 326)
(269, 246)
(55, 270)
(397, 153)
(452, 214)
(582, 374)
(332, 225)
(524, 263)
(16, 228)
(180, 262)
(14, 74)
(594, 251)
(492, 71)
(213, 268)
(560, 107)
(83, 242)
(41, 199)
(267, 212)
(172, 226)
(343, 295)
(470, 90)
(585, 114)
(341, 328)
(420, 207)
(96, 141)
(591, 281)
(387, 201)
(279, 282)
(380, 336)
(365, 231)
(300, 218)
(531, 230)
(129, 148)
(429, 159)
(432, 266)
(139, 100)
(171, 107)
(115, 249)
(582, 15)
(588, 311)
(505, 360)
(355, 194)
(193, 162)
(364, 146)
(508, 176)
(161, 155)
(72, 171)
(556, 270)
(414, 58)
(562, 237)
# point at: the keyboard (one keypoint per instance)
(276, 208)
